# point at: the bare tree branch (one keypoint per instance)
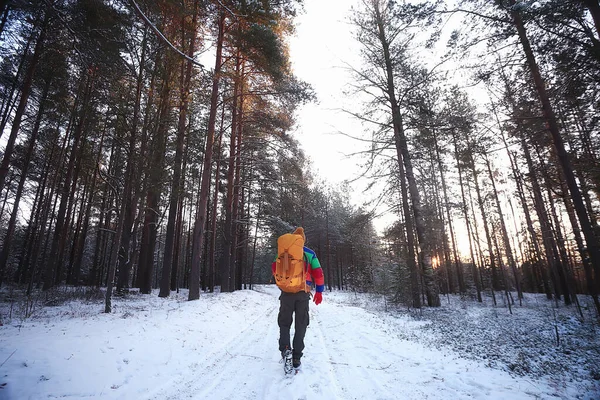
(161, 36)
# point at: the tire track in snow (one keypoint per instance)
(324, 349)
(223, 375)
(213, 370)
(354, 356)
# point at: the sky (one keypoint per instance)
(224, 346)
(323, 44)
(321, 51)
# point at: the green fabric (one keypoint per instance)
(312, 260)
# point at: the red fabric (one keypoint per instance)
(317, 275)
(318, 298)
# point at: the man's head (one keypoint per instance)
(300, 231)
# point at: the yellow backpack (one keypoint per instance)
(289, 270)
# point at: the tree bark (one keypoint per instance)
(133, 175)
(424, 251)
(5, 10)
(80, 246)
(594, 7)
(32, 226)
(9, 101)
(165, 282)
(58, 239)
(506, 240)
(236, 260)
(8, 237)
(255, 240)
(474, 269)
(502, 273)
(215, 203)
(227, 274)
(486, 225)
(563, 157)
(153, 194)
(25, 91)
(457, 265)
(199, 225)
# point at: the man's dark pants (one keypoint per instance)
(290, 303)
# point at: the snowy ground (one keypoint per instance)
(224, 346)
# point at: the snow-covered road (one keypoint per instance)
(224, 346)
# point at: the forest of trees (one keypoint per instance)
(148, 144)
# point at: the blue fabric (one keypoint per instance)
(310, 251)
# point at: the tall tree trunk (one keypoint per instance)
(537, 253)
(80, 246)
(475, 270)
(544, 220)
(441, 247)
(411, 260)
(155, 178)
(95, 277)
(502, 272)
(165, 281)
(565, 272)
(25, 91)
(485, 222)
(538, 201)
(587, 267)
(227, 275)
(255, 239)
(5, 10)
(47, 239)
(563, 157)
(69, 224)
(199, 225)
(138, 221)
(228, 250)
(59, 236)
(506, 240)
(560, 255)
(241, 240)
(8, 237)
(133, 175)
(459, 273)
(76, 229)
(177, 264)
(594, 7)
(215, 204)
(44, 205)
(330, 276)
(478, 241)
(31, 229)
(557, 237)
(424, 253)
(9, 100)
(236, 259)
(327, 241)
